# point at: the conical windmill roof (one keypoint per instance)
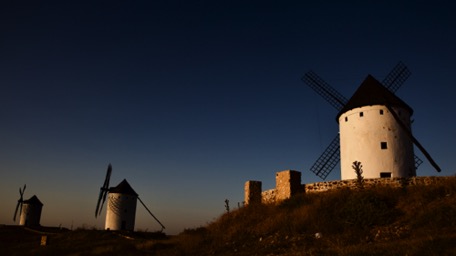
(123, 188)
(372, 92)
(33, 201)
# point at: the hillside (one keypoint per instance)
(415, 220)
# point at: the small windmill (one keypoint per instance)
(121, 209)
(29, 210)
(374, 128)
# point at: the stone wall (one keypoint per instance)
(353, 184)
(288, 184)
(269, 196)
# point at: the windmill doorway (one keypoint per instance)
(123, 226)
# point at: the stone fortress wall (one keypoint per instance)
(288, 184)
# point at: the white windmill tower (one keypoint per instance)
(374, 129)
(121, 209)
(29, 210)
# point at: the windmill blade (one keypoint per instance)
(396, 78)
(106, 183)
(103, 192)
(21, 199)
(15, 211)
(23, 190)
(328, 160)
(415, 141)
(108, 177)
(98, 209)
(324, 90)
(163, 227)
(20, 208)
(19, 202)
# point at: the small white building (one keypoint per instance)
(31, 212)
(121, 209)
(370, 134)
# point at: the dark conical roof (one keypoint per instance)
(372, 92)
(123, 188)
(33, 201)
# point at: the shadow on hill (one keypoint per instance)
(19, 240)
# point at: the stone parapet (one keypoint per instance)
(269, 196)
(353, 184)
(288, 184)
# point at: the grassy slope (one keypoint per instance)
(380, 221)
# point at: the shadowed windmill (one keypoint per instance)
(29, 210)
(121, 208)
(374, 129)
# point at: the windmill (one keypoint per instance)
(29, 210)
(374, 128)
(121, 208)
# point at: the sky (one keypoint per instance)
(189, 99)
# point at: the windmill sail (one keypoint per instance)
(418, 162)
(328, 160)
(19, 202)
(396, 78)
(330, 94)
(103, 192)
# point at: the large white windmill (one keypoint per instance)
(374, 129)
(29, 210)
(121, 208)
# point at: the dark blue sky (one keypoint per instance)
(189, 99)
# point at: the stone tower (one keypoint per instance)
(252, 192)
(288, 184)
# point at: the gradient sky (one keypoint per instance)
(189, 99)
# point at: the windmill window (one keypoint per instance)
(383, 145)
(361, 114)
(346, 119)
(385, 175)
(381, 111)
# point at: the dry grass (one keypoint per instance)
(380, 221)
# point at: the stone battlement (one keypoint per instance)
(288, 184)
